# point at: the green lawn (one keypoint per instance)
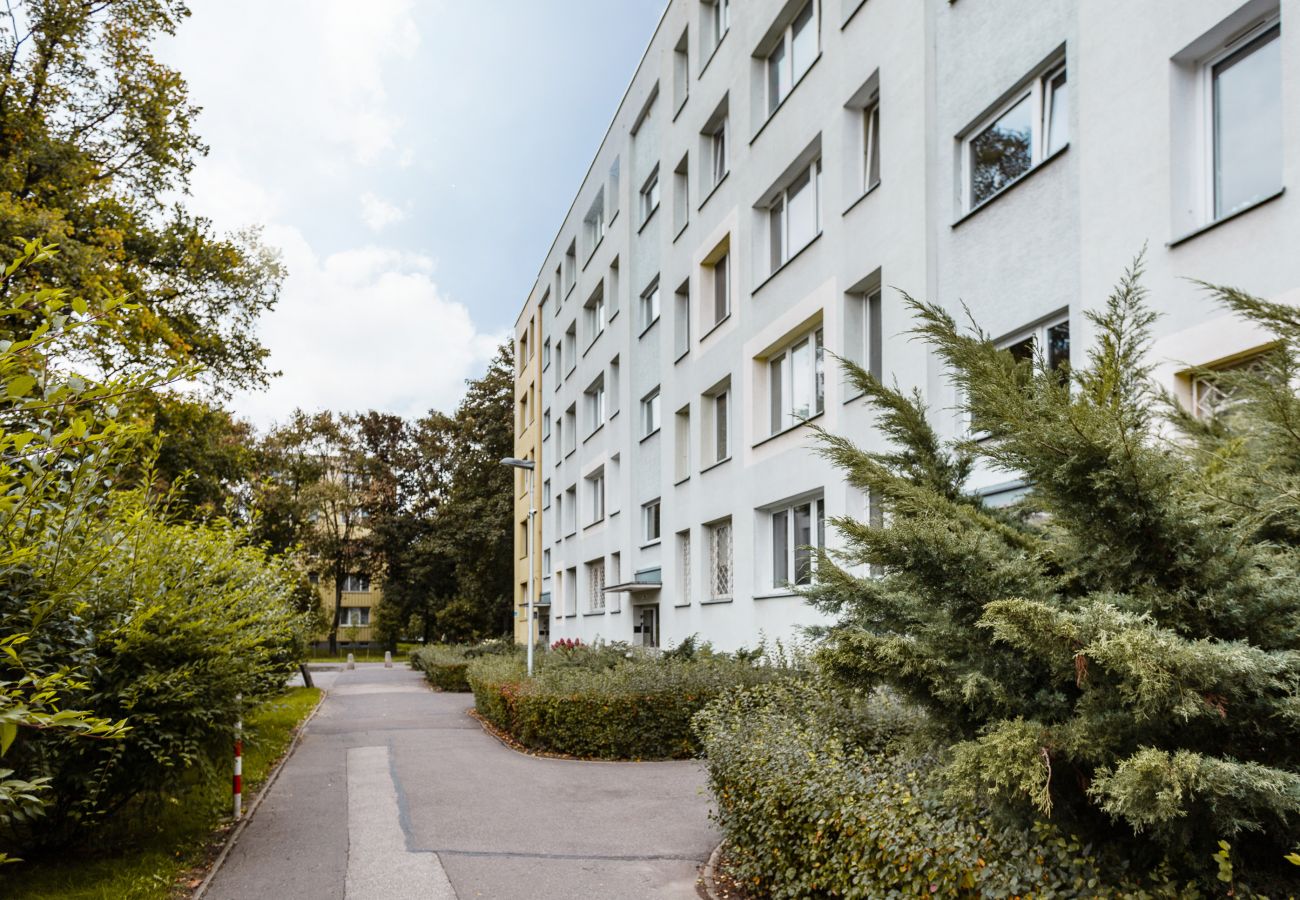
(152, 853)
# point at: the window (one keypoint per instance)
(1052, 337)
(1032, 126)
(571, 348)
(594, 222)
(683, 568)
(650, 413)
(650, 195)
(546, 494)
(792, 56)
(571, 592)
(862, 343)
(570, 267)
(354, 616)
(1246, 122)
(546, 424)
(871, 146)
(523, 355)
(650, 304)
(611, 295)
(612, 392)
(571, 510)
(650, 522)
(559, 362)
(717, 18)
(356, 584)
(1214, 395)
(594, 397)
(596, 585)
(594, 313)
(796, 382)
(546, 354)
(720, 560)
(596, 495)
(681, 196)
(798, 531)
(716, 286)
(570, 429)
(682, 320)
(715, 427)
(794, 218)
(681, 70)
(546, 563)
(713, 148)
(682, 441)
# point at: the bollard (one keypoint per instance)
(239, 759)
(388, 659)
(352, 663)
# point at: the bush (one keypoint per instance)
(444, 665)
(811, 811)
(599, 703)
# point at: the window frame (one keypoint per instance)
(596, 405)
(651, 413)
(781, 416)
(596, 491)
(787, 558)
(1038, 91)
(651, 304)
(714, 530)
(651, 515)
(871, 145)
(649, 195)
(595, 585)
(785, 67)
(1039, 332)
(778, 210)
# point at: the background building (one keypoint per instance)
(776, 175)
(528, 439)
(357, 613)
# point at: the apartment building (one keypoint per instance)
(528, 439)
(778, 172)
(360, 596)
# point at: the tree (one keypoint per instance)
(313, 494)
(1120, 649)
(96, 138)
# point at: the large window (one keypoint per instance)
(1246, 121)
(356, 583)
(354, 616)
(798, 531)
(792, 56)
(720, 560)
(717, 21)
(794, 218)
(1026, 130)
(796, 382)
(650, 413)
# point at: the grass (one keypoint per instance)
(160, 854)
(362, 654)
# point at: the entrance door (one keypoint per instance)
(645, 627)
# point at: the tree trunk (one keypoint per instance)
(338, 612)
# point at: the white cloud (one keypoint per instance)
(364, 328)
(378, 213)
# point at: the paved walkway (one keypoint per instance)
(394, 793)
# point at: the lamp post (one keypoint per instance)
(527, 465)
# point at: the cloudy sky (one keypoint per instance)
(412, 159)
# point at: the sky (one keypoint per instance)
(412, 164)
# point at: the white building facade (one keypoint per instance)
(779, 171)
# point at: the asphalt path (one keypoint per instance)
(394, 792)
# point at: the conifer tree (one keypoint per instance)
(1121, 648)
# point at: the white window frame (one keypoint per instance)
(720, 273)
(356, 583)
(596, 491)
(722, 571)
(721, 425)
(781, 522)
(871, 145)
(1038, 332)
(651, 522)
(778, 212)
(781, 381)
(719, 21)
(650, 195)
(718, 166)
(596, 585)
(1260, 35)
(1041, 98)
(595, 314)
(651, 413)
(595, 402)
(784, 68)
(650, 303)
(546, 494)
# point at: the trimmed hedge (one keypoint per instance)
(604, 705)
(444, 665)
(810, 811)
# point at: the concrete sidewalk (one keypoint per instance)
(395, 792)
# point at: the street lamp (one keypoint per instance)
(527, 465)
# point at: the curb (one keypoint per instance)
(706, 874)
(257, 801)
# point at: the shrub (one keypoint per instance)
(601, 704)
(810, 811)
(1121, 650)
(444, 665)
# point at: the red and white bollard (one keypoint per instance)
(239, 759)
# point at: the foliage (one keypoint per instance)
(96, 148)
(445, 665)
(812, 810)
(602, 703)
(142, 853)
(150, 628)
(1120, 650)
